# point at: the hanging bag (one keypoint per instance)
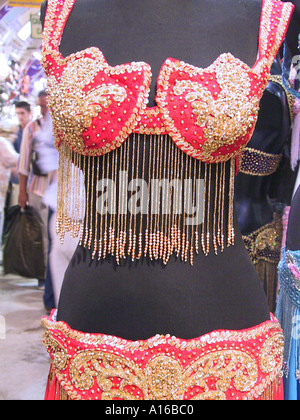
(23, 252)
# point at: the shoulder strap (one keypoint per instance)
(57, 14)
(275, 19)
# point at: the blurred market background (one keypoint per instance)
(21, 307)
(21, 74)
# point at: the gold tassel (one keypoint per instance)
(231, 235)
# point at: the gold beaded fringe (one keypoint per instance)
(145, 199)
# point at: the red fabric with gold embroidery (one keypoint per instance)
(222, 365)
(209, 113)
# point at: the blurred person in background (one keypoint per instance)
(8, 164)
(37, 146)
(24, 115)
(60, 254)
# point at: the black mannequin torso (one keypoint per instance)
(139, 300)
(293, 231)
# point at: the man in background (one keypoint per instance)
(23, 112)
(38, 144)
(24, 115)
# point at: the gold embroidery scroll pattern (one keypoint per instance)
(268, 238)
(106, 369)
(164, 378)
(60, 361)
(228, 118)
(72, 108)
(271, 363)
(113, 374)
(60, 355)
(272, 353)
(230, 370)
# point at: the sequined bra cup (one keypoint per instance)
(203, 120)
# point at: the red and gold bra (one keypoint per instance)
(210, 115)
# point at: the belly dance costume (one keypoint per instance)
(264, 248)
(264, 244)
(203, 120)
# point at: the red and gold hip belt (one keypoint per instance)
(222, 365)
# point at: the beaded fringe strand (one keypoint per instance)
(145, 199)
